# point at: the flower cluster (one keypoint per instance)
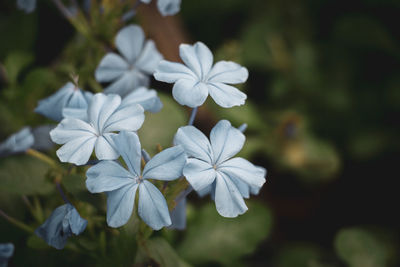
(104, 126)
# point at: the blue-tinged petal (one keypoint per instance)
(226, 141)
(171, 72)
(77, 151)
(228, 72)
(129, 42)
(199, 174)
(105, 147)
(127, 118)
(178, 215)
(6, 252)
(128, 145)
(149, 58)
(228, 200)
(225, 95)
(108, 176)
(195, 143)
(26, 5)
(77, 113)
(76, 223)
(197, 57)
(169, 7)
(18, 142)
(255, 190)
(42, 138)
(243, 170)
(166, 165)
(148, 99)
(51, 107)
(206, 190)
(190, 92)
(128, 82)
(70, 129)
(243, 187)
(77, 100)
(111, 67)
(120, 205)
(101, 108)
(153, 208)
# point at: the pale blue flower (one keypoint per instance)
(167, 7)
(6, 252)
(105, 117)
(26, 5)
(139, 59)
(211, 168)
(62, 223)
(198, 77)
(178, 215)
(121, 184)
(18, 142)
(69, 96)
(147, 98)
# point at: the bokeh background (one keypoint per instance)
(322, 113)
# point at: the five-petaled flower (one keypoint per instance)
(105, 117)
(139, 60)
(62, 223)
(210, 166)
(121, 184)
(198, 77)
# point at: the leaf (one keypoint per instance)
(212, 238)
(161, 252)
(360, 247)
(74, 183)
(299, 255)
(160, 128)
(24, 175)
(15, 62)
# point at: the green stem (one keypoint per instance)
(41, 156)
(17, 223)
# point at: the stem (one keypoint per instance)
(193, 116)
(243, 127)
(61, 7)
(41, 156)
(145, 156)
(63, 196)
(16, 222)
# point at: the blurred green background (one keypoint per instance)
(323, 114)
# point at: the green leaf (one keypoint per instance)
(360, 247)
(299, 255)
(24, 175)
(15, 62)
(212, 238)
(160, 128)
(161, 252)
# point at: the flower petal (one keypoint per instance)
(51, 107)
(105, 147)
(148, 99)
(120, 205)
(190, 92)
(108, 176)
(129, 42)
(225, 95)
(69, 129)
(76, 222)
(228, 72)
(171, 72)
(243, 170)
(77, 151)
(75, 113)
(199, 174)
(178, 215)
(226, 141)
(149, 58)
(128, 118)
(111, 67)
(228, 200)
(128, 145)
(195, 143)
(166, 165)
(197, 57)
(153, 208)
(101, 108)
(169, 7)
(18, 142)
(128, 82)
